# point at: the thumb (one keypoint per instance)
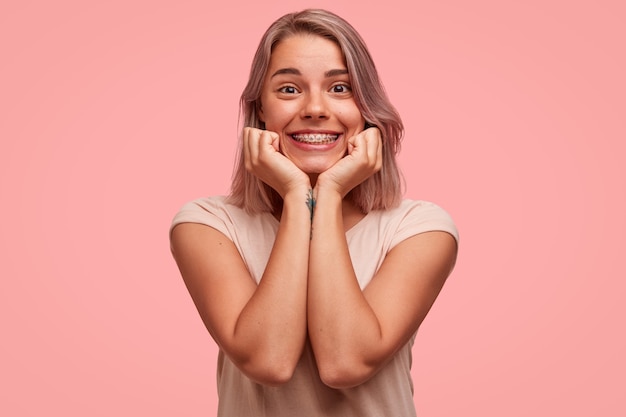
(275, 140)
(351, 144)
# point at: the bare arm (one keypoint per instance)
(353, 332)
(261, 328)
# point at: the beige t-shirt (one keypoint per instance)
(389, 393)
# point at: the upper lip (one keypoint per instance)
(314, 132)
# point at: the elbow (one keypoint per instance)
(276, 377)
(345, 375)
(268, 372)
(270, 365)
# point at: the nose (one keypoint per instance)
(314, 106)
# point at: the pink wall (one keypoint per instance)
(113, 115)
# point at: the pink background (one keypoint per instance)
(112, 115)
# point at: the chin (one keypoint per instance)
(316, 168)
(314, 171)
(316, 164)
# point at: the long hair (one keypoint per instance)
(383, 190)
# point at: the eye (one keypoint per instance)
(341, 88)
(288, 89)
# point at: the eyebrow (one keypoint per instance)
(295, 71)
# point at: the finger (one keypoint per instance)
(266, 145)
(275, 141)
(252, 138)
(360, 149)
(374, 146)
(379, 150)
(351, 144)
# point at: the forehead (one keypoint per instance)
(306, 50)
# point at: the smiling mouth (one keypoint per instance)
(315, 138)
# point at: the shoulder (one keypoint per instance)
(209, 211)
(413, 217)
(199, 209)
(231, 220)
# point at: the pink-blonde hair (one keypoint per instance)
(382, 190)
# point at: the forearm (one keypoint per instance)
(271, 330)
(342, 326)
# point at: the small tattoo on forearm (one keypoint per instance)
(310, 203)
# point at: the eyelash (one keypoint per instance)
(346, 87)
(282, 89)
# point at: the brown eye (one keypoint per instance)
(341, 88)
(288, 89)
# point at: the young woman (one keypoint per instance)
(314, 275)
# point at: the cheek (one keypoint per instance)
(353, 117)
(277, 117)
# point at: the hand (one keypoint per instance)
(263, 159)
(364, 159)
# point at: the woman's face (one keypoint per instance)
(307, 99)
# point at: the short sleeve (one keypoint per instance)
(421, 217)
(208, 211)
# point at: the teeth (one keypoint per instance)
(316, 138)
